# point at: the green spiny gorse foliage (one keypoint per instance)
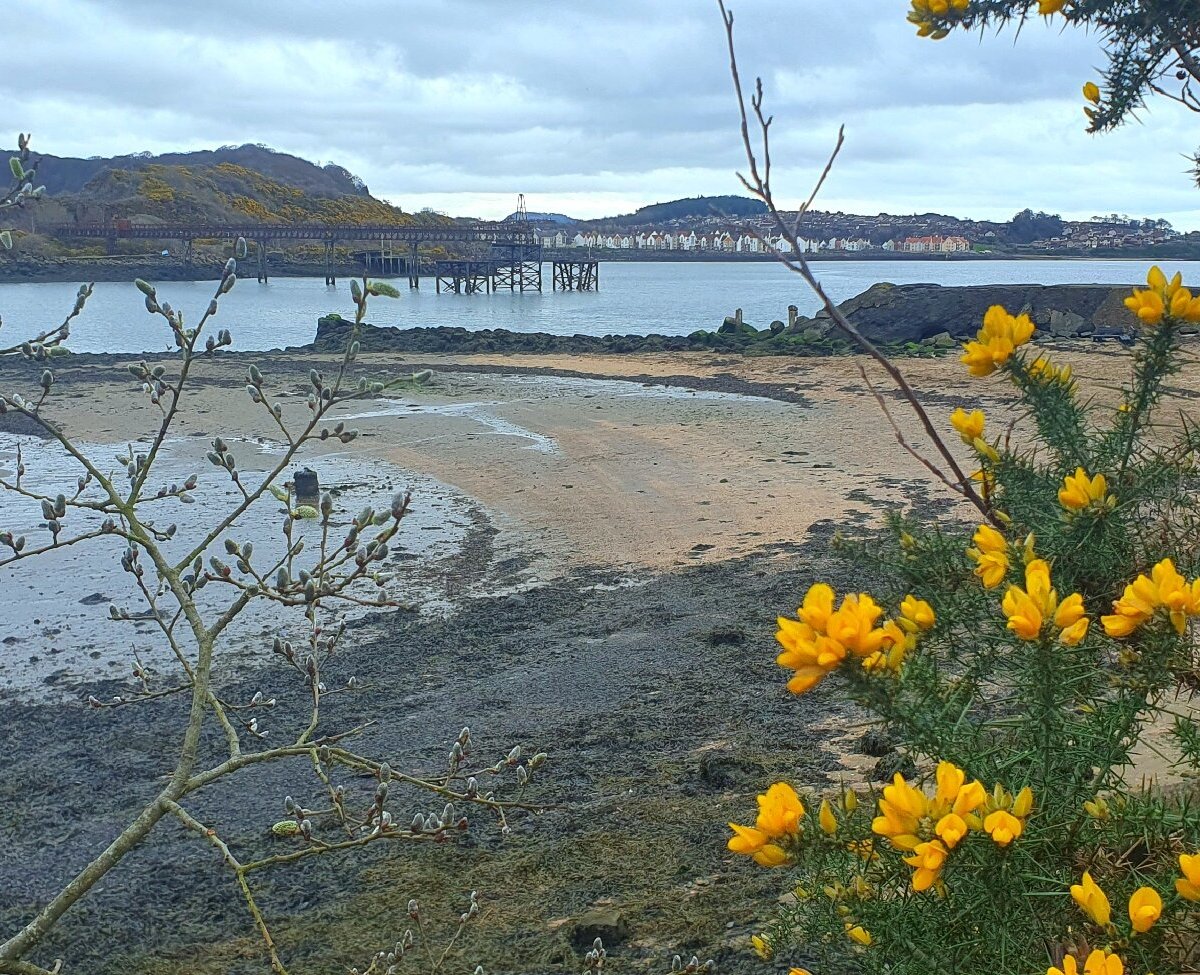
(1031, 662)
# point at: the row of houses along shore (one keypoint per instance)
(747, 243)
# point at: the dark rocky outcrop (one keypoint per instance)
(896, 314)
(333, 330)
(894, 317)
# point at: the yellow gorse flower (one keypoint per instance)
(927, 860)
(1048, 7)
(1030, 611)
(969, 425)
(930, 827)
(1000, 336)
(858, 934)
(1079, 491)
(779, 813)
(1091, 91)
(1145, 908)
(1047, 373)
(1162, 299)
(1188, 886)
(821, 638)
(1003, 827)
(970, 428)
(990, 555)
(916, 615)
(924, 12)
(849, 801)
(1005, 814)
(1164, 589)
(1099, 962)
(826, 819)
(1092, 900)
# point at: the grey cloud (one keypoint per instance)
(448, 101)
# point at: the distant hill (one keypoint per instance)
(65, 174)
(244, 184)
(692, 208)
(544, 218)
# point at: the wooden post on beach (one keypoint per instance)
(308, 487)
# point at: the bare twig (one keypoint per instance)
(758, 184)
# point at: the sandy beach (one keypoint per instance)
(598, 549)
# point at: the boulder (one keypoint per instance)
(606, 923)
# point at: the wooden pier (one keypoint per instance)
(577, 275)
(464, 277)
(509, 253)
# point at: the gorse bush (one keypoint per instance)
(1025, 663)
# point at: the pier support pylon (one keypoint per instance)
(261, 247)
(330, 273)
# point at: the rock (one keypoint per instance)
(888, 314)
(891, 314)
(1062, 324)
(726, 636)
(606, 923)
(95, 599)
(888, 766)
(308, 487)
(728, 770)
(21, 425)
(731, 327)
(875, 742)
(1109, 333)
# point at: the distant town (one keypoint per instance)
(1029, 232)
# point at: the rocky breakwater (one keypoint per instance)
(910, 317)
(890, 314)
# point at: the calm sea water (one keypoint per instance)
(635, 298)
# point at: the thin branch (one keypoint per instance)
(210, 836)
(25, 968)
(930, 465)
(796, 262)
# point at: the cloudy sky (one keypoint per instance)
(592, 107)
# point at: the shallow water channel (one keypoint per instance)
(56, 633)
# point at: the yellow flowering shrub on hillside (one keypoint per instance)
(1020, 661)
